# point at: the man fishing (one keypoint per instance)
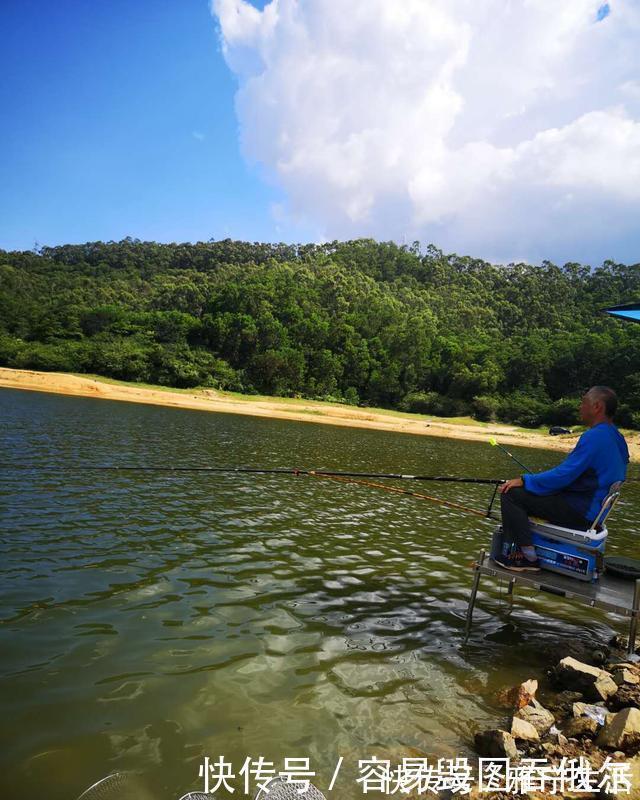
(570, 494)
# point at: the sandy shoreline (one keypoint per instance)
(300, 410)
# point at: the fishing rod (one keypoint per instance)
(262, 471)
(346, 477)
(494, 443)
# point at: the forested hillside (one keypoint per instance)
(362, 322)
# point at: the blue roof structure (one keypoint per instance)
(631, 311)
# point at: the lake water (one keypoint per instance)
(150, 619)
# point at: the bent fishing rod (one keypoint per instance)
(494, 443)
(255, 471)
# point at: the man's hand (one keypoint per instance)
(514, 483)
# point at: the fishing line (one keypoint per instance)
(398, 490)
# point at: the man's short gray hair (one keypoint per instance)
(607, 396)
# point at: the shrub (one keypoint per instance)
(563, 412)
(523, 410)
(224, 376)
(420, 402)
(625, 416)
(8, 348)
(433, 403)
(351, 396)
(50, 357)
(486, 408)
(126, 359)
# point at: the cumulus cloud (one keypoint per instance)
(502, 128)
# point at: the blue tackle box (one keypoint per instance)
(576, 554)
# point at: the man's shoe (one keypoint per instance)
(518, 563)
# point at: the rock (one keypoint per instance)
(625, 675)
(616, 732)
(537, 715)
(633, 778)
(596, 683)
(598, 657)
(526, 692)
(597, 713)
(627, 696)
(496, 744)
(532, 796)
(521, 729)
(604, 687)
(561, 704)
(557, 738)
(576, 648)
(617, 665)
(575, 671)
(518, 696)
(581, 726)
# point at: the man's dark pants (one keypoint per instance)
(519, 504)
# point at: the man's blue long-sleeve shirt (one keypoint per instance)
(599, 459)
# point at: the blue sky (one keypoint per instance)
(118, 119)
(508, 136)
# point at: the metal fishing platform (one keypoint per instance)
(610, 593)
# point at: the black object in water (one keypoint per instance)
(623, 566)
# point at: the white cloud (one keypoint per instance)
(485, 126)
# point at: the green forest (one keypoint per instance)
(359, 322)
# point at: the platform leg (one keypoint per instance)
(474, 592)
(512, 583)
(633, 627)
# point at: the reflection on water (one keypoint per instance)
(148, 619)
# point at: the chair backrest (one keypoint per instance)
(607, 504)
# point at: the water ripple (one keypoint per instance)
(147, 619)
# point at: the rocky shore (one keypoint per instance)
(586, 708)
